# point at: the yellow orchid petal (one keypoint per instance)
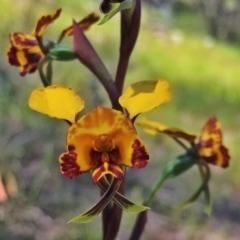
(102, 136)
(155, 128)
(143, 122)
(133, 151)
(145, 95)
(210, 146)
(56, 101)
(44, 21)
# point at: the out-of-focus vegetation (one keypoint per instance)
(204, 74)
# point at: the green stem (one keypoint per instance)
(205, 181)
(206, 192)
(42, 46)
(43, 76)
(180, 143)
(154, 189)
(49, 72)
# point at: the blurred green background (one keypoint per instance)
(192, 44)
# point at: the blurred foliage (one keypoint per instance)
(204, 76)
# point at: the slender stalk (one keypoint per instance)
(106, 214)
(43, 76)
(139, 226)
(116, 216)
(121, 71)
(204, 183)
(206, 192)
(142, 217)
(154, 189)
(49, 72)
(180, 143)
(42, 46)
(130, 24)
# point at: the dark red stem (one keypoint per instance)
(139, 226)
(130, 24)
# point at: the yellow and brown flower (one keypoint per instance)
(210, 146)
(103, 141)
(25, 52)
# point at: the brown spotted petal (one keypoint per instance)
(156, 128)
(84, 24)
(25, 59)
(69, 165)
(44, 21)
(22, 41)
(210, 146)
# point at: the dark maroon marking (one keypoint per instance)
(139, 155)
(71, 148)
(21, 39)
(211, 127)
(226, 156)
(114, 156)
(32, 60)
(69, 165)
(119, 175)
(46, 20)
(12, 56)
(214, 158)
(98, 173)
(32, 57)
(32, 69)
(95, 156)
(111, 168)
(114, 159)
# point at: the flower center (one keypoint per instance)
(104, 144)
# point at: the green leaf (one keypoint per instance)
(61, 53)
(115, 8)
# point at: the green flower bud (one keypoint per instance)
(178, 165)
(61, 53)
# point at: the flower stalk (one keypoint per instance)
(130, 24)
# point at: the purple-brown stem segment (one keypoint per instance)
(130, 24)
